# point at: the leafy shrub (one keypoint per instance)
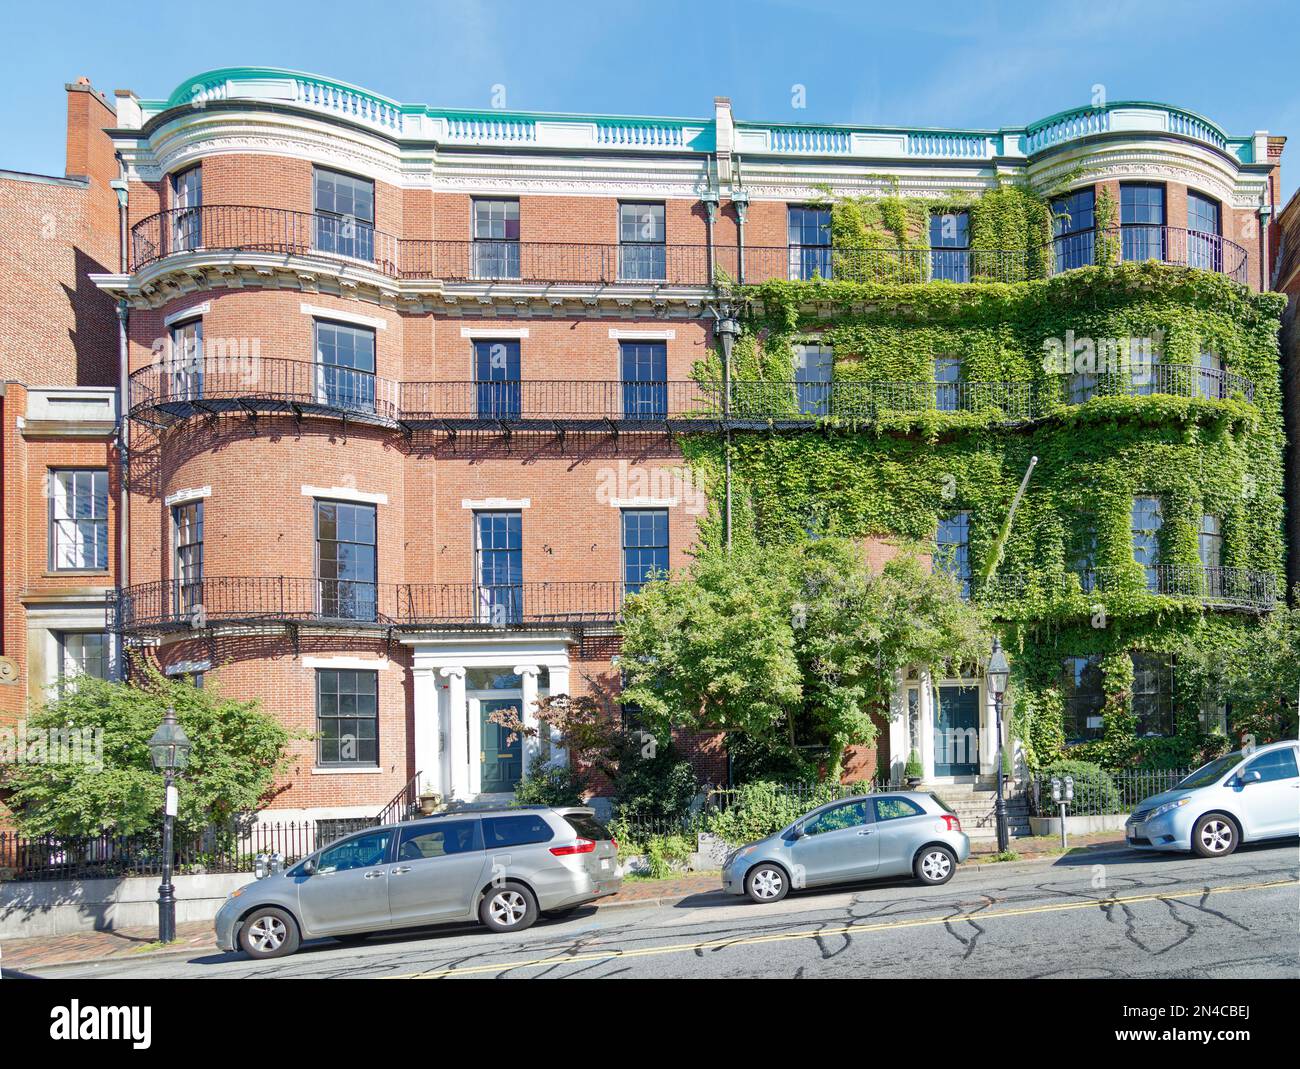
(1094, 788)
(655, 786)
(550, 786)
(663, 852)
(763, 807)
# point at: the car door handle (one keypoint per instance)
(866, 831)
(399, 872)
(375, 875)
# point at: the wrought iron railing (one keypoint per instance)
(236, 228)
(1103, 793)
(1145, 378)
(1234, 588)
(346, 603)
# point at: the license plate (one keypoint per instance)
(1133, 831)
(605, 864)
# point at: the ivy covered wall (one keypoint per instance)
(881, 472)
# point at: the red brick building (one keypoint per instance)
(402, 383)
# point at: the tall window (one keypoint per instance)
(644, 368)
(187, 532)
(1146, 524)
(814, 367)
(947, 383)
(1204, 247)
(186, 360)
(1084, 695)
(1082, 551)
(499, 566)
(809, 238)
(187, 204)
(645, 546)
(347, 717)
(952, 548)
(1210, 538)
(642, 237)
(496, 239)
(949, 246)
(1153, 694)
(83, 653)
(1073, 219)
(1142, 220)
(496, 378)
(346, 559)
(345, 214)
(345, 356)
(79, 520)
(1209, 379)
(1081, 386)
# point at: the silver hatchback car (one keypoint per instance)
(853, 839)
(1240, 797)
(502, 866)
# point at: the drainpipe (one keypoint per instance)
(728, 329)
(740, 201)
(123, 427)
(710, 199)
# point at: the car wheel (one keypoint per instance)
(269, 933)
(935, 865)
(508, 908)
(1214, 835)
(767, 883)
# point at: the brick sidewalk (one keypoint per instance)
(196, 937)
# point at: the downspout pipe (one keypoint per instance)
(119, 186)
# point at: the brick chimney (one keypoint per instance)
(89, 151)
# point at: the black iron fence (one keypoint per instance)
(217, 849)
(177, 604)
(223, 228)
(1103, 793)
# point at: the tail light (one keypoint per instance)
(950, 823)
(613, 842)
(582, 846)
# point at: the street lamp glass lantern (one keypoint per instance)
(169, 746)
(998, 670)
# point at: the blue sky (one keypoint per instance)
(930, 64)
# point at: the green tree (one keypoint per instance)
(237, 753)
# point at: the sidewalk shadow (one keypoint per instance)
(1139, 856)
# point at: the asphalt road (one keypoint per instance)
(1134, 915)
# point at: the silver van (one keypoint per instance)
(1240, 797)
(502, 866)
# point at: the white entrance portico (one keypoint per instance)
(951, 723)
(458, 680)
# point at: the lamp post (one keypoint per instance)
(169, 749)
(997, 673)
(728, 330)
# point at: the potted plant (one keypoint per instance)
(912, 770)
(429, 801)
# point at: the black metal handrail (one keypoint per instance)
(177, 605)
(805, 263)
(1234, 588)
(170, 391)
(1135, 242)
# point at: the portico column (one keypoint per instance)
(559, 685)
(527, 674)
(428, 761)
(927, 726)
(457, 733)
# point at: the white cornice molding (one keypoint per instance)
(496, 504)
(1176, 161)
(494, 333)
(317, 311)
(181, 497)
(642, 335)
(344, 493)
(373, 664)
(194, 311)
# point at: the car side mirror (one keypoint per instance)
(1252, 776)
(308, 867)
(797, 832)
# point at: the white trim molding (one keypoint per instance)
(366, 770)
(496, 503)
(345, 493)
(316, 311)
(493, 333)
(643, 502)
(642, 335)
(193, 312)
(181, 497)
(365, 664)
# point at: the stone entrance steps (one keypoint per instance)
(975, 808)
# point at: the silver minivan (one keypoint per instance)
(873, 835)
(1240, 797)
(503, 867)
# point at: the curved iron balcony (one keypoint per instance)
(1134, 243)
(173, 391)
(250, 601)
(1215, 587)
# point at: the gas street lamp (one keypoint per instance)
(997, 673)
(169, 749)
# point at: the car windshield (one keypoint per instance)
(1207, 774)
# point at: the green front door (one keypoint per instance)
(957, 731)
(503, 762)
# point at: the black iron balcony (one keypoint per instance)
(166, 393)
(251, 601)
(1243, 589)
(1138, 242)
(805, 263)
